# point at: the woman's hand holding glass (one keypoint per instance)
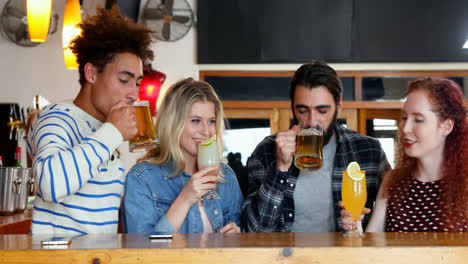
(347, 221)
(199, 184)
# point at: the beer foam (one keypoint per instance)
(310, 132)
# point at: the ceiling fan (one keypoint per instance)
(170, 19)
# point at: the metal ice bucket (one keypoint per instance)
(25, 188)
(10, 186)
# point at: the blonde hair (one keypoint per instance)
(172, 116)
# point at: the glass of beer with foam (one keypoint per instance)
(146, 135)
(309, 142)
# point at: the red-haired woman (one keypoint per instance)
(428, 189)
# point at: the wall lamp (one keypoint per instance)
(38, 12)
(71, 18)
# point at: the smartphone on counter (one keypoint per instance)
(160, 235)
(57, 241)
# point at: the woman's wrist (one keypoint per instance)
(184, 202)
(177, 212)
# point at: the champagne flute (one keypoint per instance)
(354, 195)
(208, 155)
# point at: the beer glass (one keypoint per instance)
(146, 135)
(354, 196)
(208, 155)
(309, 142)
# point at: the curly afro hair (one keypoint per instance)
(109, 33)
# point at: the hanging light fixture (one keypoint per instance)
(38, 12)
(71, 18)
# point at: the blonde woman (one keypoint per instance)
(163, 193)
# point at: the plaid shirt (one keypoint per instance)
(269, 206)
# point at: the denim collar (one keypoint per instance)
(168, 169)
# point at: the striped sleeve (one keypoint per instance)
(63, 159)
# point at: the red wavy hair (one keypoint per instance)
(447, 102)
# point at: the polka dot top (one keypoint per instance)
(417, 208)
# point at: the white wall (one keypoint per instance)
(26, 71)
(177, 59)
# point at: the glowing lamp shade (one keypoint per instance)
(71, 18)
(150, 87)
(38, 12)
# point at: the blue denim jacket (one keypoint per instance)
(150, 191)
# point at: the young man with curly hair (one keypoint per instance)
(75, 144)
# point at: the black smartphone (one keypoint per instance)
(160, 235)
(57, 241)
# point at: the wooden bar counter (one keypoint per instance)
(243, 248)
(17, 223)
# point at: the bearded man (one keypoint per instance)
(282, 198)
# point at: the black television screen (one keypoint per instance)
(296, 31)
(128, 8)
(277, 31)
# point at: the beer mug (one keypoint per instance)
(309, 142)
(146, 135)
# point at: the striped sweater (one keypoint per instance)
(78, 172)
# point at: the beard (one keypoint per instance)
(328, 133)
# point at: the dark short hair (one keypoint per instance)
(109, 33)
(314, 74)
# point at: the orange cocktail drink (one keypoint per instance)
(354, 195)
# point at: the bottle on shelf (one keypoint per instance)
(1, 161)
(17, 157)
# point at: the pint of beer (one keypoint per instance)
(309, 142)
(146, 136)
